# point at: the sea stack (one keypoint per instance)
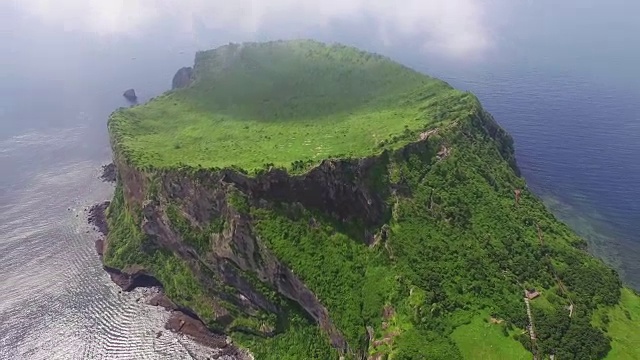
(130, 95)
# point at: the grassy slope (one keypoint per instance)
(483, 340)
(457, 247)
(283, 102)
(622, 323)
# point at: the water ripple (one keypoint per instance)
(56, 302)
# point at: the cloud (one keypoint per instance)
(457, 27)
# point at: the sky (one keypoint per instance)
(591, 36)
(453, 28)
(62, 47)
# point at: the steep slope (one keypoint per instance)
(315, 201)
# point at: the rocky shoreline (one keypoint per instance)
(97, 217)
(181, 320)
(109, 173)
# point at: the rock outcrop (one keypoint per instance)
(109, 173)
(183, 78)
(132, 278)
(186, 324)
(235, 252)
(130, 95)
(97, 217)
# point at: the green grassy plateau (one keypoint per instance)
(284, 102)
(440, 275)
(621, 323)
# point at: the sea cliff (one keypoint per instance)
(382, 246)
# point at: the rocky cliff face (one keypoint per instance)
(337, 188)
(345, 190)
(183, 78)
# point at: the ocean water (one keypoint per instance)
(573, 110)
(56, 302)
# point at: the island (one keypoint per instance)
(314, 201)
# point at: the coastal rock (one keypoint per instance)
(163, 301)
(97, 217)
(183, 323)
(183, 78)
(109, 173)
(130, 95)
(132, 278)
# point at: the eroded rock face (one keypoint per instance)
(235, 251)
(97, 217)
(339, 188)
(183, 78)
(181, 320)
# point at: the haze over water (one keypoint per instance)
(562, 79)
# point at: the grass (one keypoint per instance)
(622, 324)
(483, 340)
(278, 103)
(303, 340)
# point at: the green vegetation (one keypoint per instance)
(454, 243)
(621, 324)
(302, 340)
(283, 103)
(461, 243)
(485, 340)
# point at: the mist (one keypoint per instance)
(54, 51)
(453, 27)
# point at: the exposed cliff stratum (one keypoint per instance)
(314, 201)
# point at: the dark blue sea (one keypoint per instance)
(561, 78)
